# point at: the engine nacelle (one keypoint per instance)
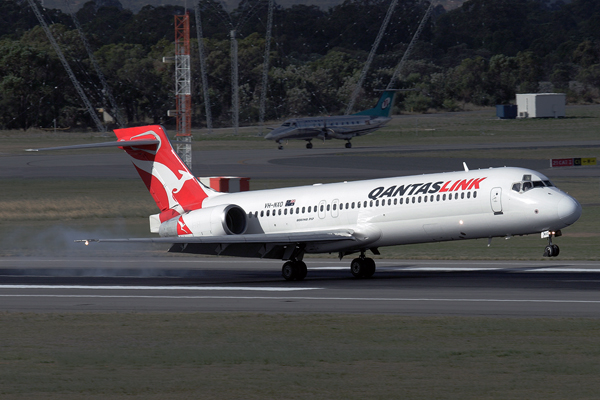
(226, 219)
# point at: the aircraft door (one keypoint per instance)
(322, 209)
(496, 200)
(335, 205)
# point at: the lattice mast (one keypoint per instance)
(115, 111)
(410, 47)
(235, 93)
(203, 68)
(183, 89)
(63, 60)
(367, 65)
(265, 73)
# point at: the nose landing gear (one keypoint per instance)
(552, 250)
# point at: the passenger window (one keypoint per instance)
(376, 203)
(462, 195)
(352, 205)
(468, 195)
(285, 211)
(474, 194)
(438, 198)
(371, 204)
(279, 212)
(262, 213)
(358, 204)
(395, 201)
(456, 196)
(414, 200)
(365, 204)
(303, 210)
(401, 200)
(322, 207)
(424, 199)
(268, 213)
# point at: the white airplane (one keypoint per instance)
(343, 127)
(343, 218)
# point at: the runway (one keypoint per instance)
(405, 287)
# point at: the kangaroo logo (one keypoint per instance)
(185, 176)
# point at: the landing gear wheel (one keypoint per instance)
(362, 267)
(309, 145)
(348, 145)
(289, 271)
(369, 267)
(294, 270)
(549, 251)
(302, 270)
(280, 147)
(555, 250)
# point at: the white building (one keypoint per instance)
(541, 105)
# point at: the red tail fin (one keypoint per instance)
(171, 184)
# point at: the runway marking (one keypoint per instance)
(469, 269)
(198, 288)
(287, 298)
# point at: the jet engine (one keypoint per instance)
(225, 219)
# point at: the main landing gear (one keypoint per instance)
(362, 267)
(308, 144)
(294, 270)
(349, 145)
(551, 250)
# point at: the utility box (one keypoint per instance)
(541, 105)
(506, 111)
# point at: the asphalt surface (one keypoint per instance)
(180, 284)
(404, 287)
(351, 164)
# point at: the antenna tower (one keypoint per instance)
(63, 60)
(410, 47)
(203, 68)
(183, 89)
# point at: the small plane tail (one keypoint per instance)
(383, 107)
(170, 182)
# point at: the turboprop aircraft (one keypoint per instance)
(343, 127)
(343, 218)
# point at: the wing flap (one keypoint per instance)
(271, 238)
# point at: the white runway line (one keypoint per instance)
(197, 288)
(362, 299)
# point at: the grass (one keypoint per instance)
(258, 356)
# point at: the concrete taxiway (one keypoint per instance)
(406, 287)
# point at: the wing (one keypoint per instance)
(268, 245)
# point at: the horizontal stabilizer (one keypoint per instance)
(122, 143)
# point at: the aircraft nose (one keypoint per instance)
(569, 210)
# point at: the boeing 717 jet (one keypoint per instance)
(343, 218)
(344, 127)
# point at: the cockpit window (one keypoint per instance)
(286, 124)
(528, 184)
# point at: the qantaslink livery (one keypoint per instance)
(344, 218)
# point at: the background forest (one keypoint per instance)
(481, 54)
